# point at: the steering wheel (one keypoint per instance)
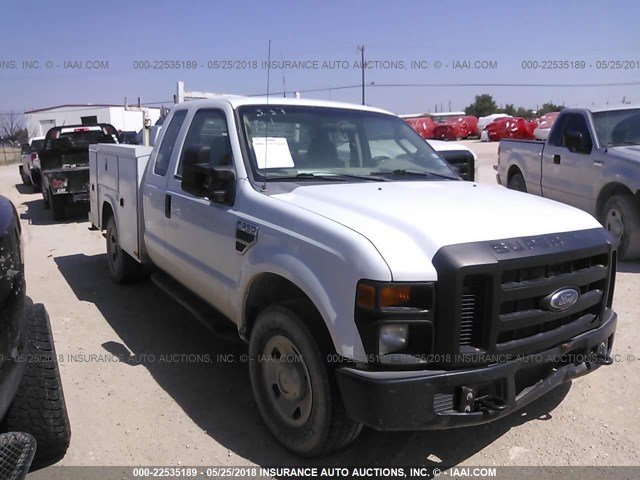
(380, 159)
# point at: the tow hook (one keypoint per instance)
(603, 357)
(485, 403)
(490, 403)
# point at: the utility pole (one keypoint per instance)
(362, 65)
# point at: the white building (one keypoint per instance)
(41, 120)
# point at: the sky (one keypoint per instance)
(422, 55)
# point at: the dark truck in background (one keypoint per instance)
(64, 161)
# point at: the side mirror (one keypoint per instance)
(200, 179)
(576, 142)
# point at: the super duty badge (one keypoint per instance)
(246, 234)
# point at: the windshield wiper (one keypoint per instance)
(413, 172)
(339, 177)
(306, 176)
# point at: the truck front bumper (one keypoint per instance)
(433, 400)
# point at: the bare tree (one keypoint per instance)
(12, 128)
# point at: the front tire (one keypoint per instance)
(621, 217)
(516, 182)
(294, 385)
(123, 268)
(39, 407)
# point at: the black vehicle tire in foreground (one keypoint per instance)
(516, 182)
(39, 407)
(293, 383)
(123, 268)
(621, 217)
(58, 206)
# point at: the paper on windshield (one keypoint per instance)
(272, 152)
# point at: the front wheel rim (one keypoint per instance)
(113, 248)
(614, 223)
(286, 381)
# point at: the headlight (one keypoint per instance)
(384, 296)
(395, 321)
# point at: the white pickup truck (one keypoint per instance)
(30, 167)
(590, 160)
(373, 286)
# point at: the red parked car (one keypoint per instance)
(511, 127)
(541, 132)
(457, 128)
(423, 125)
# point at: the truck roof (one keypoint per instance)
(606, 108)
(239, 101)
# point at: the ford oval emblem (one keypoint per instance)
(562, 299)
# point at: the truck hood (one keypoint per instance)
(630, 152)
(409, 221)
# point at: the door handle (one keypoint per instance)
(598, 163)
(556, 159)
(167, 205)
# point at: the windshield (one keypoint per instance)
(288, 142)
(618, 127)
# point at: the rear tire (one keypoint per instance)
(299, 398)
(25, 178)
(516, 182)
(39, 407)
(621, 217)
(45, 197)
(123, 267)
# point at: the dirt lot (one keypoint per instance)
(166, 405)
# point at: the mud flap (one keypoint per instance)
(16, 454)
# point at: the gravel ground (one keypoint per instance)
(174, 401)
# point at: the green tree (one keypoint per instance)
(484, 105)
(524, 113)
(509, 109)
(548, 107)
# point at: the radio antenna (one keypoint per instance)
(266, 124)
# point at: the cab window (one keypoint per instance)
(168, 142)
(209, 129)
(578, 124)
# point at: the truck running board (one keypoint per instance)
(208, 316)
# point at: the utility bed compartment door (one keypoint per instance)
(130, 170)
(108, 170)
(94, 216)
(116, 173)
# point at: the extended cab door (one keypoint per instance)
(154, 190)
(566, 169)
(201, 232)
